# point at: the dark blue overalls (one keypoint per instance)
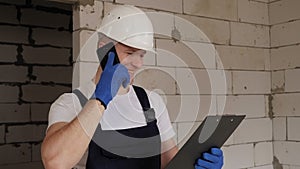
(135, 148)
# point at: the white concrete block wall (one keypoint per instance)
(284, 20)
(253, 12)
(285, 57)
(283, 11)
(217, 31)
(287, 152)
(293, 124)
(243, 104)
(189, 108)
(83, 72)
(253, 130)
(243, 58)
(212, 8)
(88, 17)
(167, 5)
(286, 104)
(239, 156)
(251, 82)
(263, 167)
(181, 81)
(176, 54)
(158, 78)
(279, 128)
(197, 81)
(285, 34)
(185, 131)
(292, 83)
(263, 153)
(278, 83)
(86, 20)
(245, 34)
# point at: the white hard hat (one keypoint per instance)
(130, 26)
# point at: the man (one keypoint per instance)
(119, 106)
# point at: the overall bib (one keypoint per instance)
(134, 148)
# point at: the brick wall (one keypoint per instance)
(285, 63)
(35, 68)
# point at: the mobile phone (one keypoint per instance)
(103, 52)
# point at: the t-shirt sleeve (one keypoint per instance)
(62, 110)
(163, 120)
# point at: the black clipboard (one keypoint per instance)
(212, 132)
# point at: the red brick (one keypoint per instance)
(2, 133)
(53, 4)
(25, 133)
(13, 34)
(8, 14)
(39, 93)
(46, 55)
(31, 165)
(36, 152)
(15, 153)
(53, 74)
(8, 53)
(14, 2)
(9, 93)
(39, 112)
(12, 73)
(42, 18)
(52, 37)
(14, 113)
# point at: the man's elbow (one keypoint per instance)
(50, 159)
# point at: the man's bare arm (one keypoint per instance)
(65, 143)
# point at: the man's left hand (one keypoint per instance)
(213, 160)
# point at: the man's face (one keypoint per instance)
(131, 58)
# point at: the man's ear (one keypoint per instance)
(101, 44)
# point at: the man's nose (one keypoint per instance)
(137, 61)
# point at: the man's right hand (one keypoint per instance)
(112, 77)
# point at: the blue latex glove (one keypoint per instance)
(213, 160)
(112, 77)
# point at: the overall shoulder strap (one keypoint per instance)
(81, 97)
(149, 113)
(142, 96)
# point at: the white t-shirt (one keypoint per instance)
(123, 112)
